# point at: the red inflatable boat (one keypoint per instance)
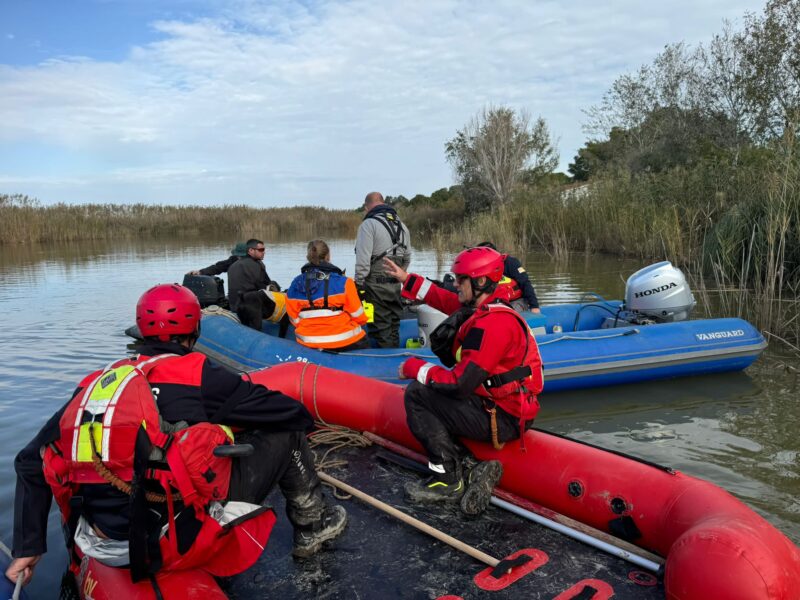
(715, 546)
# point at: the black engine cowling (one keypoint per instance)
(208, 289)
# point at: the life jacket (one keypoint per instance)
(387, 216)
(508, 289)
(514, 390)
(279, 298)
(111, 433)
(324, 307)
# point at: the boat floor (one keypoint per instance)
(378, 556)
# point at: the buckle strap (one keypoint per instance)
(515, 374)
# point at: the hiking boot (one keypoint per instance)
(308, 541)
(482, 480)
(434, 489)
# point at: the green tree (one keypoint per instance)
(495, 151)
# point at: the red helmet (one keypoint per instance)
(479, 262)
(166, 310)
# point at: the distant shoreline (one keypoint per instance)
(25, 220)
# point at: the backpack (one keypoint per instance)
(112, 433)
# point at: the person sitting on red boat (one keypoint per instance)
(490, 392)
(191, 392)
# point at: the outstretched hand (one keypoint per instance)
(23, 565)
(393, 270)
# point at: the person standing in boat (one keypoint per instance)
(521, 294)
(188, 387)
(323, 305)
(490, 392)
(222, 266)
(381, 235)
(249, 287)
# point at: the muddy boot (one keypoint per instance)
(309, 539)
(444, 487)
(482, 480)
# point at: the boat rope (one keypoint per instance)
(589, 339)
(392, 355)
(221, 312)
(328, 434)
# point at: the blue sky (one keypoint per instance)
(284, 103)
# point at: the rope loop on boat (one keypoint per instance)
(214, 310)
(589, 339)
(387, 355)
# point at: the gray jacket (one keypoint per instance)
(373, 240)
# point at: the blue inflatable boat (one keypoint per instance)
(580, 344)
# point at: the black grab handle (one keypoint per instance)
(233, 450)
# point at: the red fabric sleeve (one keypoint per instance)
(417, 287)
(501, 339)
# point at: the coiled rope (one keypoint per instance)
(327, 434)
(221, 312)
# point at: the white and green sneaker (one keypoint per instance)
(434, 489)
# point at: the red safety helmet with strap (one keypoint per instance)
(480, 262)
(166, 310)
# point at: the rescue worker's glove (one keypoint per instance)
(410, 368)
(274, 286)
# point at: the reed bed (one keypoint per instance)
(24, 220)
(734, 228)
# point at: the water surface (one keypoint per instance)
(64, 310)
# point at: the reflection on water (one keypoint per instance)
(65, 307)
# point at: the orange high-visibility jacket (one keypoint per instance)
(325, 308)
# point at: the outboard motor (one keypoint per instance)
(208, 289)
(657, 294)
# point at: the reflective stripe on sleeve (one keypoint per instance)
(423, 289)
(422, 374)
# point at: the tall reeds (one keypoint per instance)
(24, 220)
(733, 227)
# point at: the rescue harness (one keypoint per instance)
(394, 227)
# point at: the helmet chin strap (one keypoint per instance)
(486, 288)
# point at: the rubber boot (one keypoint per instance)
(482, 480)
(444, 487)
(309, 539)
(314, 521)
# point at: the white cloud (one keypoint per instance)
(286, 104)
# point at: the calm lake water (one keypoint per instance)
(64, 309)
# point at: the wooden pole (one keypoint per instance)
(424, 527)
(580, 530)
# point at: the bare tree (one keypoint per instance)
(771, 51)
(493, 152)
(671, 82)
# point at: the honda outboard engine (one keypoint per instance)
(658, 293)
